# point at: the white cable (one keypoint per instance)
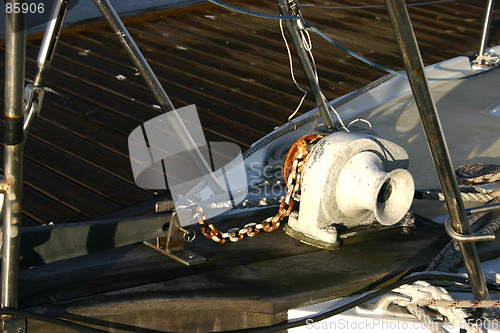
(291, 71)
(360, 120)
(307, 44)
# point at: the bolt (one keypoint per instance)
(331, 229)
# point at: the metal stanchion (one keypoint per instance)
(15, 47)
(432, 127)
(486, 27)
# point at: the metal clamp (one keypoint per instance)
(33, 96)
(173, 244)
(164, 206)
(385, 306)
(12, 324)
(487, 237)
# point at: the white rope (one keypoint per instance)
(424, 318)
(423, 291)
(487, 59)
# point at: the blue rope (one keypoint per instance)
(465, 76)
(355, 55)
(343, 48)
(385, 69)
(256, 14)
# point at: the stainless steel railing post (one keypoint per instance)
(15, 46)
(435, 138)
(486, 27)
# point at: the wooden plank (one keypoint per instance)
(45, 209)
(38, 208)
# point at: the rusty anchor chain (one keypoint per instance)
(292, 170)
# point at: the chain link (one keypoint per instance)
(292, 170)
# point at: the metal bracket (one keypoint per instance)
(164, 206)
(467, 238)
(384, 307)
(173, 244)
(12, 324)
(33, 96)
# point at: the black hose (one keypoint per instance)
(308, 320)
(49, 319)
(277, 327)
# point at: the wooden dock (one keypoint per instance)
(233, 67)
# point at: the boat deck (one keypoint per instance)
(246, 284)
(233, 67)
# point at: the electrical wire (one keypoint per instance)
(315, 318)
(385, 69)
(332, 41)
(292, 73)
(49, 319)
(351, 53)
(308, 46)
(357, 120)
(251, 13)
(280, 326)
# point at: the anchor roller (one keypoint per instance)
(351, 180)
